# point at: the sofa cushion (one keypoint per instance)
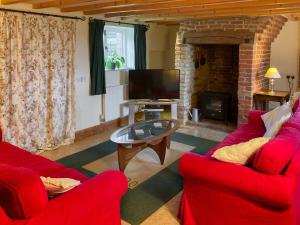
(296, 107)
(12, 155)
(271, 118)
(244, 133)
(273, 157)
(294, 121)
(240, 153)
(22, 192)
(275, 128)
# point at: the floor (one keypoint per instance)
(167, 214)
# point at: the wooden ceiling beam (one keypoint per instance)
(64, 3)
(163, 18)
(7, 2)
(170, 9)
(166, 5)
(192, 4)
(196, 9)
(119, 3)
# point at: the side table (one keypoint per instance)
(261, 98)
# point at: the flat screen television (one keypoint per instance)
(154, 84)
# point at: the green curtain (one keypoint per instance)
(97, 61)
(140, 46)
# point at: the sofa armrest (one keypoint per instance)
(96, 201)
(254, 118)
(5, 220)
(272, 190)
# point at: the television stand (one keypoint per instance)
(133, 103)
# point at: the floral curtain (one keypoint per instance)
(37, 70)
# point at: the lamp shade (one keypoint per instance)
(272, 73)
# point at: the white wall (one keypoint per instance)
(87, 107)
(161, 46)
(285, 54)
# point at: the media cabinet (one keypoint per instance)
(133, 103)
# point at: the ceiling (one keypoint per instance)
(169, 10)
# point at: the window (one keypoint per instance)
(120, 40)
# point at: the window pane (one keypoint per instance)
(121, 41)
(114, 43)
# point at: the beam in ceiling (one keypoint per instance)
(191, 4)
(197, 9)
(7, 2)
(150, 4)
(177, 18)
(80, 5)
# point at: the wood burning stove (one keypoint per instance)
(215, 105)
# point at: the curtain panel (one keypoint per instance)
(140, 46)
(37, 107)
(97, 61)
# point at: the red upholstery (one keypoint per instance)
(254, 118)
(273, 157)
(296, 105)
(22, 192)
(294, 121)
(96, 201)
(223, 193)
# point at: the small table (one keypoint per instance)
(134, 138)
(263, 97)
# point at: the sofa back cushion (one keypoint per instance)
(296, 107)
(273, 157)
(294, 121)
(22, 192)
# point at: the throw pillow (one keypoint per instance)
(240, 153)
(273, 130)
(59, 185)
(271, 118)
(273, 157)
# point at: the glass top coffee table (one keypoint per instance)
(135, 138)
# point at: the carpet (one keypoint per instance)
(151, 185)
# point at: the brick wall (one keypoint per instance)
(254, 55)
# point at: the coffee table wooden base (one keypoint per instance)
(125, 154)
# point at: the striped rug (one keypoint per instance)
(151, 185)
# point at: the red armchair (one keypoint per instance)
(96, 201)
(223, 193)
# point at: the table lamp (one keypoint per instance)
(272, 74)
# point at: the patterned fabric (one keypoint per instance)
(37, 71)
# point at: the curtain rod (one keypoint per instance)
(43, 14)
(116, 22)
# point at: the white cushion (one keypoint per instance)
(274, 119)
(272, 131)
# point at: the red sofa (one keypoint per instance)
(24, 199)
(267, 191)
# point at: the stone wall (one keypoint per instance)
(254, 36)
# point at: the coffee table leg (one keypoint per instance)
(169, 142)
(160, 149)
(126, 154)
(121, 158)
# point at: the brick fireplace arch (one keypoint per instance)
(254, 36)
